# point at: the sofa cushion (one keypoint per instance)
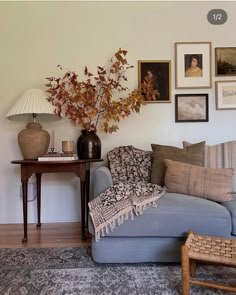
(193, 154)
(137, 250)
(129, 164)
(220, 155)
(174, 215)
(207, 183)
(231, 207)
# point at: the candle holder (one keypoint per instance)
(52, 142)
(52, 151)
(68, 146)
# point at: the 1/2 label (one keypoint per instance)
(217, 16)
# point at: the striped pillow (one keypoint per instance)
(202, 182)
(222, 155)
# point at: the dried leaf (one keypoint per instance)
(88, 102)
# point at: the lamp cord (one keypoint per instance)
(21, 194)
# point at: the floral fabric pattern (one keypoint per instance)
(119, 202)
(130, 164)
(130, 193)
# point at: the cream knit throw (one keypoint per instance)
(120, 202)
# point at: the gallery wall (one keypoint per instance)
(37, 36)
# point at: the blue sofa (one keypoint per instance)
(157, 235)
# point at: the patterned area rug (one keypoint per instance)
(41, 271)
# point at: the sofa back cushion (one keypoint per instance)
(208, 183)
(222, 155)
(129, 164)
(192, 154)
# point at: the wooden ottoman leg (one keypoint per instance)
(193, 267)
(185, 270)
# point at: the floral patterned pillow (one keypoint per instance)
(129, 164)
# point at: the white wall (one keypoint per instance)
(37, 36)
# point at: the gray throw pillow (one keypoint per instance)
(193, 154)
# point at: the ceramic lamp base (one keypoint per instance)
(33, 141)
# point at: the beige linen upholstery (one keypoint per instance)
(207, 183)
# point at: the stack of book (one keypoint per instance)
(58, 157)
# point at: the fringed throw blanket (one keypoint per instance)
(119, 202)
(130, 193)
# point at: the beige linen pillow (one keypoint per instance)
(208, 183)
(193, 154)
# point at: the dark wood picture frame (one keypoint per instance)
(225, 61)
(191, 107)
(154, 78)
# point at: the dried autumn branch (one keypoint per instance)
(93, 101)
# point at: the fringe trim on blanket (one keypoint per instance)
(118, 219)
(140, 207)
(110, 224)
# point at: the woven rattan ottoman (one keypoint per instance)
(199, 248)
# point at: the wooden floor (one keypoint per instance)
(49, 235)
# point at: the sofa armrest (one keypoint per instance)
(102, 180)
(231, 207)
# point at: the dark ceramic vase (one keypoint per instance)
(89, 145)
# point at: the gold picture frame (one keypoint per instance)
(154, 78)
(225, 95)
(224, 65)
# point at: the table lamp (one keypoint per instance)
(33, 141)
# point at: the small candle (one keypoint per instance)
(68, 146)
(52, 139)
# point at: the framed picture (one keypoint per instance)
(225, 61)
(225, 95)
(154, 80)
(192, 65)
(191, 108)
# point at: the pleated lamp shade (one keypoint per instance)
(33, 101)
(33, 141)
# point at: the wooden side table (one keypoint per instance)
(206, 249)
(81, 168)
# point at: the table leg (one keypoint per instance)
(83, 213)
(193, 267)
(87, 193)
(25, 197)
(38, 183)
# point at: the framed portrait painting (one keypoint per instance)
(191, 108)
(225, 95)
(225, 61)
(154, 80)
(192, 65)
